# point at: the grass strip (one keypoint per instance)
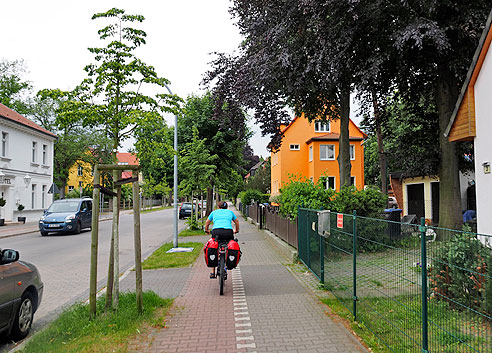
(190, 233)
(161, 259)
(156, 209)
(110, 331)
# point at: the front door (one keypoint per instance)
(415, 195)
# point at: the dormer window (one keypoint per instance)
(322, 126)
(295, 147)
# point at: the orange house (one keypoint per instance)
(311, 150)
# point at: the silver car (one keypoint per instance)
(21, 291)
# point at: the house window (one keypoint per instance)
(45, 154)
(80, 170)
(5, 140)
(352, 180)
(34, 151)
(33, 196)
(43, 197)
(312, 179)
(310, 153)
(330, 183)
(326, 152)
(352, 152)
(70, 188)
(321, 126)
(294, 147)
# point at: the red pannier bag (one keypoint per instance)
(233, 254)
(211, 252)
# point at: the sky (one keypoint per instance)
(52, 38)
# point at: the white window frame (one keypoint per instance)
(327, 158)
(322, 126)
(70, 188)
(352, 152)
(295, 147)
(351, 180)
(33, 196)
(311, 153)
(43, 196)
(312, 179)
(5, 144)
(45, 154)
(80, 170)
(34, 152)
(327, 186)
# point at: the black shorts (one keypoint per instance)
(223, 234)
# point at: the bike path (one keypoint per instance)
(264, 308)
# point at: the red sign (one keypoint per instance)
(339, 220)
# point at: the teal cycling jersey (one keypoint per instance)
(222, 218)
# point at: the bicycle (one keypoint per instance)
(221, 266)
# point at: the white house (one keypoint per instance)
(471, 121)
(26, 166)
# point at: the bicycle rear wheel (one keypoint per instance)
(222, 274)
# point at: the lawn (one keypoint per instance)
(161, 259)
(110, 331)
(190, 233)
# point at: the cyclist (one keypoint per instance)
(222, 229)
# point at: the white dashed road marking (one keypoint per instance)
(241, 314)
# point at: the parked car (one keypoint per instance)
(67, 216)
(21, 291)
(185, 210)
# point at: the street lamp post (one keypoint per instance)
(175, 240)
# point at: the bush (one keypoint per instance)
(253, 195)
(303, 193)
(460, 273)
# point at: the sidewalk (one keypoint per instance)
(264, 307)
(12, 229)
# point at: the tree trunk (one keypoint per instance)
(63, 185)
(344, 142)
(449, 186)
(170, 198)
(381, 154)
(209, 199)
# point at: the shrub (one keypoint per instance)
(460, 273)
(253, 195)
(301, 192)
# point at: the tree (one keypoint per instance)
(435, 43)
(154, 149)
(308, 55)
(225, 132)
(74, 142)
(111, 97)
(261, 180)
(14, 89)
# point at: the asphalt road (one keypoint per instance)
(64, 260)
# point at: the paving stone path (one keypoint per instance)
(264, 308)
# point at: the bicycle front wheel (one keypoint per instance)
(222, 274)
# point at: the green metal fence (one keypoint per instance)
(417, 288)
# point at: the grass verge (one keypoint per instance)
(111, 331)
(397, 322)
(161, 259)
(190, 233)
(156, 209)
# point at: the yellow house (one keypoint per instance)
(79, 175)
(311, 149)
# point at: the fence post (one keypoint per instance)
(423, 262)
(260, 211)
(354, 262)
(321, 254)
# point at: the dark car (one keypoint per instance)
(67, 216)
(185, 210)
(21, 291)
